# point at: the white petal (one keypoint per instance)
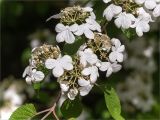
(67, 66)
(50, 63)
(116, 67)
(92, 59)
(109, 71)
(116, 42)
(64, 86)
(69, 37)
(83, 82)
(88, 9)
(93, 78)
(139, 31)
(60, 37)
(73, 27)
(88, 33)
(39, 76)
(156, 11)
(72, 94)
(58, 71)
(83, 61)
(60, 27)
(139, 1)
(29, 80)
(80, 30)
(119, 57)
(105, 66)
(113, 56)
(106, 1)
(66, 58)
(85, 90)
(108, 13)
(116, 9)
(86, 71)
(121, 48)
(118, 22)
(26, 71)
(150, 4)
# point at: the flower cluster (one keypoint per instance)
(132, 13)
(78, 73)
(76, 21)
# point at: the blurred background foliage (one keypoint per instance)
(24, 26)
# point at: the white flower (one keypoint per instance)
(59, 65)
(85, 86)
(156, 11)
(139, 1)
(72, 93)
(64, 85)
(65, 33)
(109, 67)
(117, 50)
(92, 72)
(150, 4)
(124, 20)
(33, 75)
(87, 28)
(111, 11)
(106, 1)
(87, 56)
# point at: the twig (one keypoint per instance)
(43, 111)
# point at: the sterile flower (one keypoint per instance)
(111, 11)
(87, 56)
(72, 93)
(150, 4)
(64, 86)
(92, 72)
(139, 1)
(106, 1)
(65, 33)
(88, 28)
(124, 20)
(117, 50)
(33, 75)
(110, 67)
(84, 90)
(156, 11)
(59, 65)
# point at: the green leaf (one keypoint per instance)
(24, 112)
(37, 86)
(71, 49)
(113, 103)
(71, 108)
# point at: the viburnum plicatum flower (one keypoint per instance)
(111, 11)
(33, 75)
(117, 51)
(72, 93)
(156, 11)
(87, 56)
(110, 67)
(92, 72)
(76, 21)
(65, 33)
(124, 20)
(59, 65)
(149, 4)
(87, 28)
(64, 85)
(85, 86)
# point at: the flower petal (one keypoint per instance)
(39, 76)
(73, 27)
(64, 86)
(105, 66)
(119, 57)
(109, 71)
(85, 90)
(58, 71)
(88, 33)
(69, 37)
(60, 27)
(60, 37)
(116, 67)
(83, 82)
(113, 56)
(86, 71)
(50, 63)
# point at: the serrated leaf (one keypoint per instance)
(24, 112)
(71, 108)
(72, 49)
(113, 103)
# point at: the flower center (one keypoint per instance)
(75, 14)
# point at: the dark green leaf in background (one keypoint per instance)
(71, 108)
